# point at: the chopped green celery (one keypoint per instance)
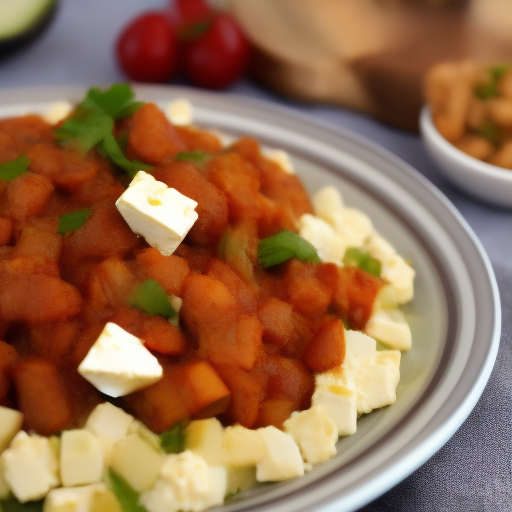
(232, 495)
(356, 257)
(73, 220)
(284, 246)
(173, 440)
(13, 169)
(199, 157)
(128, 498)
(489, 89)
(153, 299)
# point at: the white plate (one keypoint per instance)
(453, 353)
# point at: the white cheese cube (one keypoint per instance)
(81, 458)
(328, 205)
(401, 276)
(376, 382)
(10, 425)
(359, 347)
(379, 247)
(389, 326)
(160, 214)
(314, 433)
(281, 158)
(336, 376)
(330, 246)
(185, 483)
(30, 467)
(204, 438)
(137, 427)
(386, 298)
(137, 462)
(339, 403)
(88, 498)
(240, 478)
(354, 227)
(57, 111)
(118, 363)
(243, 446)
(281, 458)
(180, 112)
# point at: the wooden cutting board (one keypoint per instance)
(370, 55)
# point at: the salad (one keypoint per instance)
(179, 320)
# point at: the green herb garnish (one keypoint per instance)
(284, 246)
(173, 440)
(13, 169)
(355, 257)
(489, 89)
(11, 504)
(128, 498)
(232, 495)
(153, 299)
(490, 131)
(92, 122)
(73, 220)
(199, 157)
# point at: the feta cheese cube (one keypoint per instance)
(88, 498)
(401, 276)
(109, 422)
(137, 427)
(180, 112)
(240, 478)
(137, 462)
(339, 403)
(389, 326)
(118, 363)
(379, 247)
(204, 438)
(281, 158)
(354, 227)
(57, 111)
(330, 246)
(160, 214)
(314, 433)
(185, 483)
(328, 205)
(376, 383)
(10, 425)
(81, 458)
(281, 459)
(359, 347)
(30, 466)
(243, 446)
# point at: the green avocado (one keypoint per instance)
(21, 21)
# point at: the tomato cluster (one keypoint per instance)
(207, 46)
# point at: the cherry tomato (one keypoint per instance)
(218, 56)
(185, 13)
(146, 49)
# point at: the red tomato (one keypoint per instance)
(146, 49)
(217, 57)
(185, 13)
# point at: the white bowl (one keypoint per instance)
(484, 181)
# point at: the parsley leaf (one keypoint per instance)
(355, 257)
(489, 89)
(284, 246)
(173, 440)
(73, 220)
(153, 299)
(92, 123)
(11, 504)
(128, 498)
(13, 169)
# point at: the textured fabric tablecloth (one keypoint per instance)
(473, 471)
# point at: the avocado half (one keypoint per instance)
(22, 21)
